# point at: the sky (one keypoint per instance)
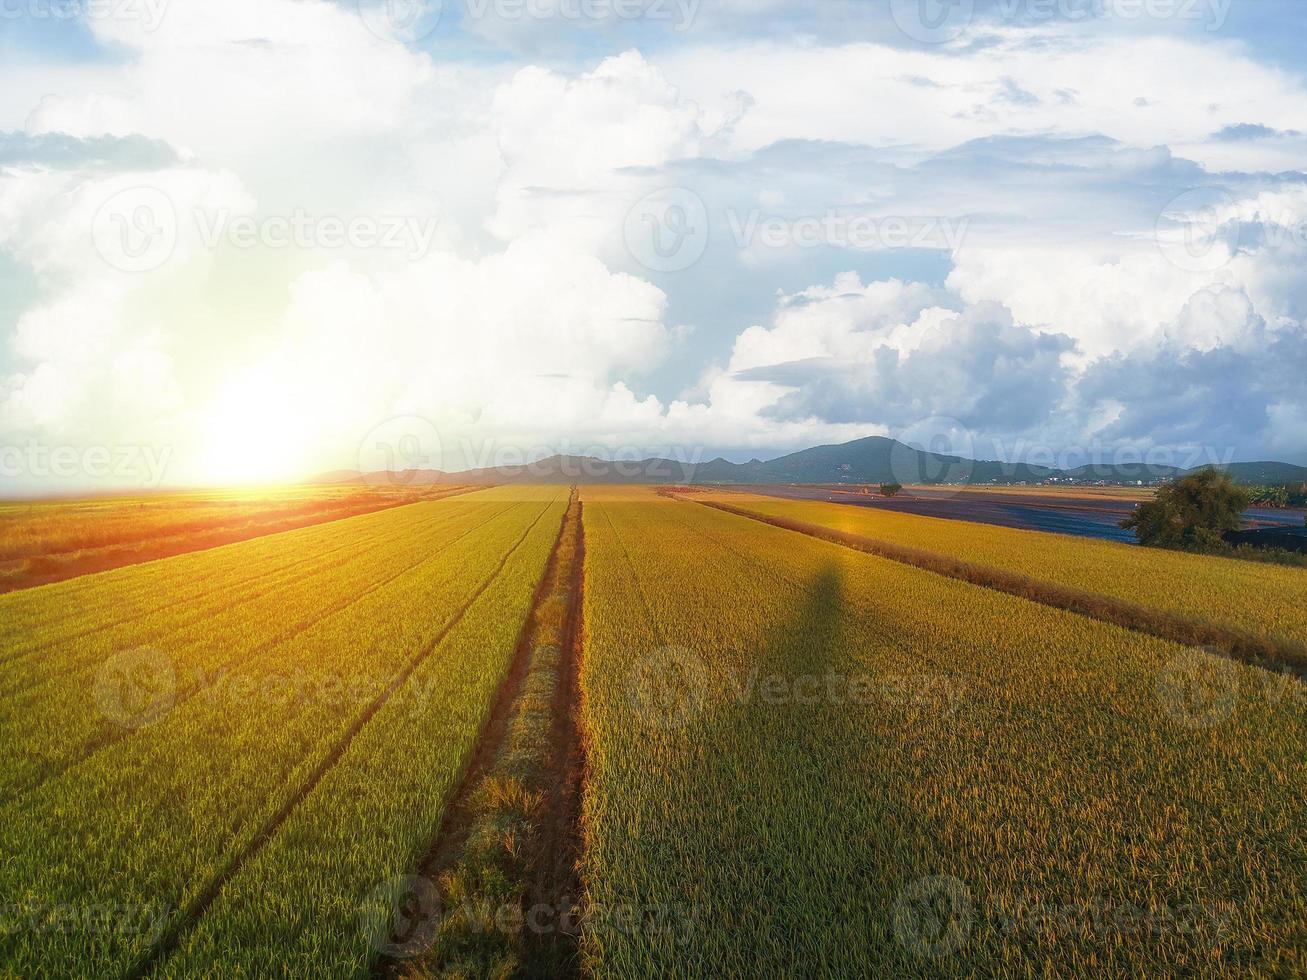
(258, 240)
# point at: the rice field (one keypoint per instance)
(809, 761)
(182, 778)
(1258, 597)
(326, 751)
(52, 540)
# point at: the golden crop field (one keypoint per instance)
(160, 771)
(805, 760)
(51, 540)
(620, 732)
(1262, 598)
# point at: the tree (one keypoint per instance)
(890, 489)
(1193, 512)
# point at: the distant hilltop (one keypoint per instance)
(875, 459)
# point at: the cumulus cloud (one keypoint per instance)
(1128, 256)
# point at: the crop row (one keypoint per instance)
(1255, 597)
(98, 696)
(807, 760)
(51, 541)
(321, 897)
(153, 821)
(232, 582)
(32, 621)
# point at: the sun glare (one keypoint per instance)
(256, 432)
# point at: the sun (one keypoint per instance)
(256, 431)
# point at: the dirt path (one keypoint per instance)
(514, 819)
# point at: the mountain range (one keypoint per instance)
(875, 459)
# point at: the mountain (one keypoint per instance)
(874, 459)
(1266, 474)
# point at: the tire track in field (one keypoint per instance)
(114, 734)
(314, 561)
(553, 841)
(558, 856)
(1240, 644)
(252, 579)
(200, 904)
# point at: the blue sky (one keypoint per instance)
(264, 237)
